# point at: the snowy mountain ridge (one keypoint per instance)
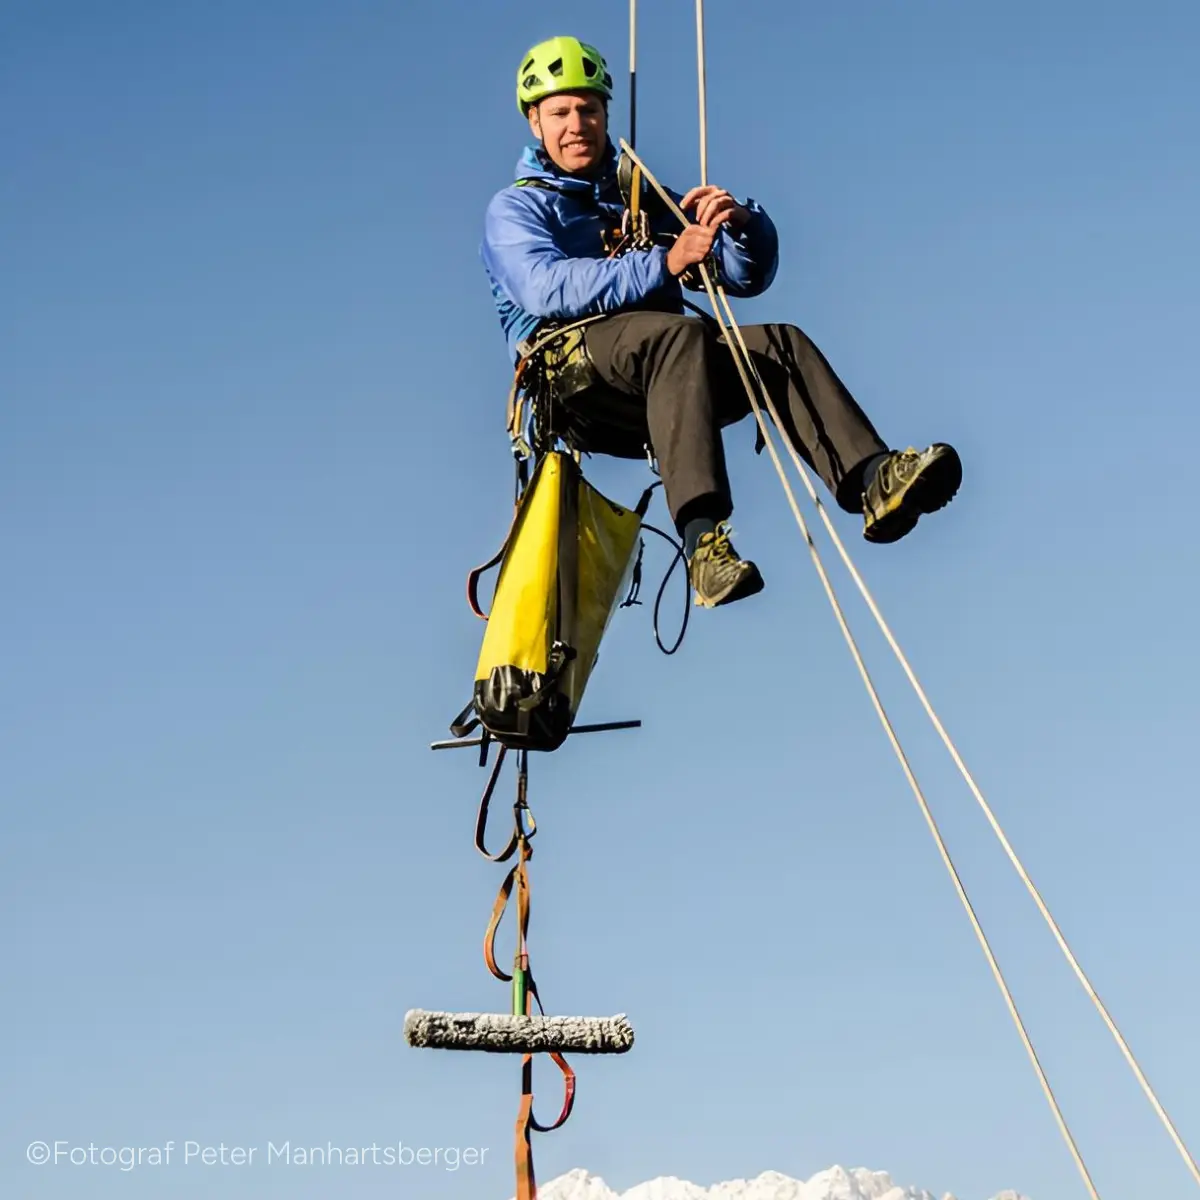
(836, 1183)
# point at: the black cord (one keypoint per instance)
(687, 589)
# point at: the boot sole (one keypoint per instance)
(749, 585)
(929, 493)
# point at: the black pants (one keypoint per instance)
(670, 382)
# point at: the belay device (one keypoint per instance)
(567, 559)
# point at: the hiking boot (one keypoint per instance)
(718, 574)
(906, 486)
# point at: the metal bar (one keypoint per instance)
(606, 725)
(460, 743)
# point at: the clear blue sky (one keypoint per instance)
(251, 440)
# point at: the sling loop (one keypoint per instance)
(523, 983)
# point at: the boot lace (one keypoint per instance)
(720, 549)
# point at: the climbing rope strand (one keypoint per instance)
(633, 72)
(1018, 866)
(703, 89)
(1053, 925)
(924, 805)
(1057, 933)
(874, 695)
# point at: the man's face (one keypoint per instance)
(573, 126)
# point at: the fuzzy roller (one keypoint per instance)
(502, 1033)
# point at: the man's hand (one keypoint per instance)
(693, 245)
(714, 207)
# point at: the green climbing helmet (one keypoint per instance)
(561, 64)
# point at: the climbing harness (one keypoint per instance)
(535, 430)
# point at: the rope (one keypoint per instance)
(995, 824)
(877, 703)
(1056, 931)
(632, 72)
(700, 76)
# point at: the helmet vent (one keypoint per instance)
(557, 65)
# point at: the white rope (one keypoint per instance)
(632, 72)
(995, 824)
(700, 76)
(941, 730)
(920, 691)
(882, 713)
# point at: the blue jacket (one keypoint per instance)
(544, 256)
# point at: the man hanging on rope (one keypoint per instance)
(661, 378)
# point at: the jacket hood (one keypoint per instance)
(535, 163)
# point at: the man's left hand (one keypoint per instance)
(714, 206)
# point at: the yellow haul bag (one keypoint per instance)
(567, 561)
